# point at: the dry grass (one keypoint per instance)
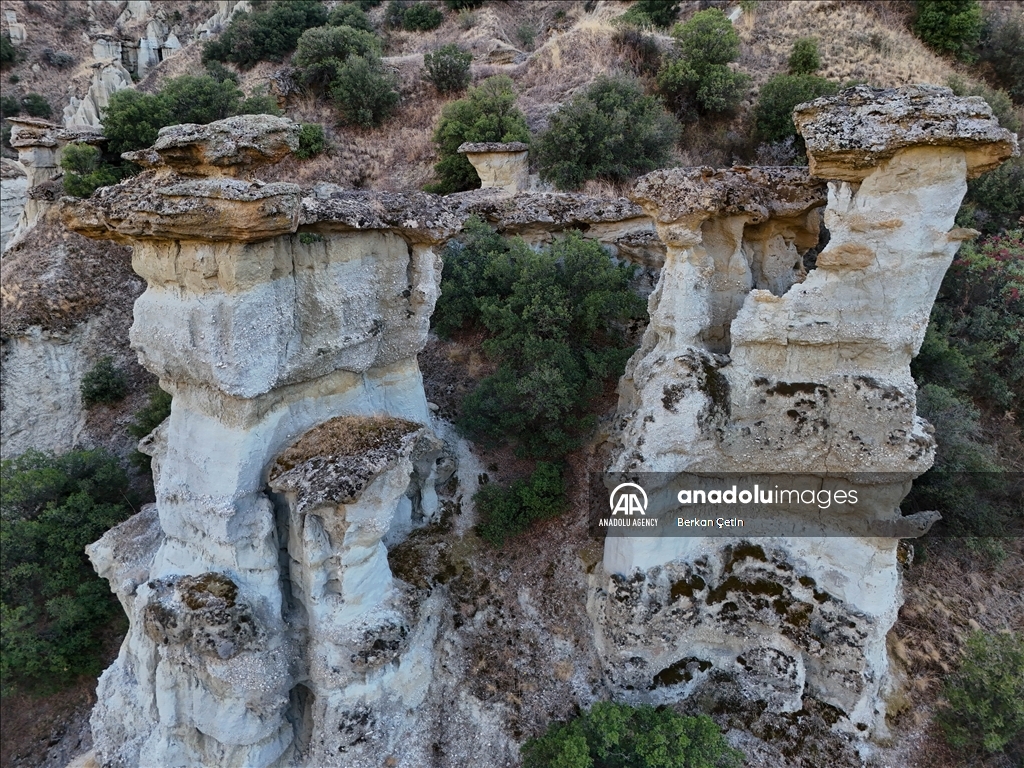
(346, 436)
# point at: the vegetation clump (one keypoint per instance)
(487, 113)
(949, 26)
(612, 131)
(312, 141)
(620, 736)
(36, 105)
(84, 171)
(773, 113)
(8, 53)
(985, 697)
(804, 58)
(265, 34)
(553, 319)
(54, 609)
(698, 81)
(413, 17)
(350, 15)
(146, 420)
(507, 511)
(104, 383)
(654, 13)
(447, 68)
(1002, 41)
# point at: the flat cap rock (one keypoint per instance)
(220, 148)
(761, 192)
(849, 134)
(544, 209)
(418, 216)
(493, 146)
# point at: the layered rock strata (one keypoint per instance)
(753, 365)
(267, 315)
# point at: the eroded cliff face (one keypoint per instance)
(750, 365)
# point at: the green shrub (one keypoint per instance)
(620, 736)
(133, 119)
(447, 68)
(552, 318)
(35, 105)
(312, 141)
(200, 99)
(658, 13)
(322, 52)
(365, 5)
(58, 59)
(350, 15)
(612, 131)
(220, 73)
(463, 5)
(773, 113)
(508, 511)
(1002, 41)
(146, 420)
(698, 80)
(985, 697)
(995, 200)
(364, 92)
(949, 26)
(421, 17)
(53, 608)
(267, 34)
(640, 51)
(259, 104)
(104, 383)
(487, 113)
(8, 53)
(804, 58)
(9, 106)
(84, 171)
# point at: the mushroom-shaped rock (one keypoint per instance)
(499, 164)
(224, 147)
(851, 133)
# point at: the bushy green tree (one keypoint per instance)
(804, 58)
(104, 383)
(447, 68)
(1002, 41)
(949, 26)
(773, 113)
(322, 51)
(9, 106)
(660, 13)
(8, 53)
(364, 92)
(551, 318)
(36, 105)
(507, 511)
(463, 5)
(265, 34)
(200, 99)
(984, 709)
(312, 141)
(84, 170)
(487, 113)
(421, 17)
(698, 80)
(53, 607)
(133, 119)
(612, 131)
(620, 736)
(350, 15)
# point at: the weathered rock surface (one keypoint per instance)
(752, 365)
(13, 197)
(504, 166)
(262, 338)
(849, 135)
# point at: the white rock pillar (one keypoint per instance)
(500, 165)
(745, 369)
(261, 334)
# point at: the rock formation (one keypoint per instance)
(752, 365)
(499, 165)
(287, 330)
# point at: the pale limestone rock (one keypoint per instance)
(261, 341)
(850, 134)
(108, 78)
(501, 166)
(750, 365)
(13, 198)
(15, 30)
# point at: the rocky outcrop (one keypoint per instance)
(13, 198)
(270, 316)
(504, 166)
(753, 365)
(109, 76)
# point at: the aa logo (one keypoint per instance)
(628, 498)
